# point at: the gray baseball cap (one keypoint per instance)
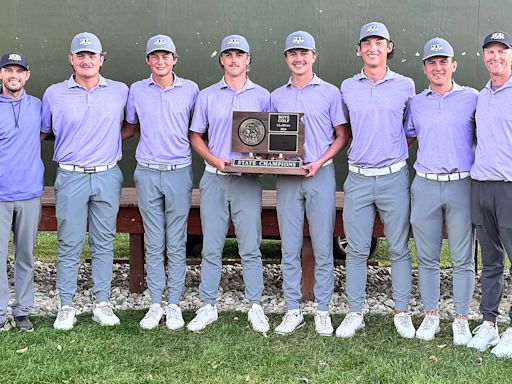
(498, 37)
(13, 58)
(437, 47)
(374, 29)
(234, 42)
(300, 40)
(160, 43)
(86, 42)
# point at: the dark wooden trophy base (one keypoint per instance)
(268, 167)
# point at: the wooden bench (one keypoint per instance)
(129, 221)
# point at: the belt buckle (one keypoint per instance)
(89, 169)
(162, 167)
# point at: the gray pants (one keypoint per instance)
(491, 206)
(434, 203)
(364, 195)
(314, 196)
(164, 202)
(86, 200)
(23, 217)
(238, 197)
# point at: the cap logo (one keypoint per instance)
(159, 42)
(15, 57)
(85, 42)
(233, 42)
(297, 40)
(498, 36)
(436, 47)
(372, 28)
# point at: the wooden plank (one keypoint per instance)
(136, 263)
(308, 269)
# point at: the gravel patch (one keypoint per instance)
(231, 293)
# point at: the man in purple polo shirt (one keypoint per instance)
(21, 186)
(491, 189)
(374, 102)
(442, 118)
(85, 114)
(228, 196)
(163, 105)
(326, 133)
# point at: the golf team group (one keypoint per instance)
(463, 181)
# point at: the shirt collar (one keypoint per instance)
(314, 81)
(72, 83)
(248, 85)
(389, 75)
(506, 84)
(455, 88)
(177, 82)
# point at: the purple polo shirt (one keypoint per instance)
(21, 168)
(164, 116)
(375, 111)
(493, 156)
(445, 128)
(214, 109)
(321, 104)
(86, 123)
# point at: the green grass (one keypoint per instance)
(228, 351)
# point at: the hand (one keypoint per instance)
(220, 163)
(312, 168)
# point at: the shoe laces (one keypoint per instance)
(153, 312)
(482, 330)
(288, 318)
(203, 312)
(506, 337)
(106, 310)
(427, 323)
(172, 311)
(460, 326)
(323, 319)
(350, 318)
(64, 313)
(403, 320)
(259, 315)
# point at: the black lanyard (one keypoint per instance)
(16, 118)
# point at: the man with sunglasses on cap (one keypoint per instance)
(85, 114)
(374, 102)
(491, 189)
(442, 118)
(162, 105)
(228, 196)
(326, 133)
(21, 187)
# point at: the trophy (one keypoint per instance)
(272, 143)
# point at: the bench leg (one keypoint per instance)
(136, 263)
(308, 269)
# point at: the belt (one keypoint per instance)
(164, 167)
(211, 169)
(76, 168)
(377, 171)
(444, 176)
(324, 164)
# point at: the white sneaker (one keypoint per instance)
(461, 332)
(504, 346)
(485, 336)
(7, 325)
(103, 314)
(65, 318)
(428, 328)
(323, 325)
(173, 317)
(292, 321)
(403, 325)
(152, 317)
(352, 323)
(204, 316)
(257, 318)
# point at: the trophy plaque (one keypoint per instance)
(272, 143)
